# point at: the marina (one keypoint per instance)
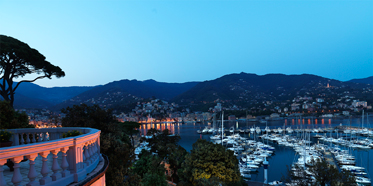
(254, 135)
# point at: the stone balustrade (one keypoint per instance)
(80, 155)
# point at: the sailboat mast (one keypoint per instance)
(362, 123)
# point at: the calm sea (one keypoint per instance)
(283, 156)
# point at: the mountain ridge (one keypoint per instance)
(247, 90)
(367, 80)
(128, 91)
(235, 87)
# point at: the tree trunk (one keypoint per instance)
(12, 101)
(133, 141)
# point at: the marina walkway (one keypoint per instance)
(330, 159)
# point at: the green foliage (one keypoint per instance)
(167, 149)
(17, 59)
(142, 166)
(162, 143)
(71, 133)
(208, 160)
(176, 159)
(153, 179)
(114, 143)
(120, 156)
(150, 168)
(213, 181)
(130, 128)
(241, 182)
(132, 179)
(323, 173)
(91, 116)
(298, 175)
(326, 174)
(11, 119)
(5, 135)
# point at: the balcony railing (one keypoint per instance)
(79, 155)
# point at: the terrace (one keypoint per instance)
(45, 158)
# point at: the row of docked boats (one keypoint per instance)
(358, 131)
(284, 130)
(251, 153)
(308, 154)
(365, 144)
(288, 130)
(346, 162)
(258, 130)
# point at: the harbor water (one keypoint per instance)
(283, 156)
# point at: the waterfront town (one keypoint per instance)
(186, 93)
(159, 111)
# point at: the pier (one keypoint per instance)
(330, 159)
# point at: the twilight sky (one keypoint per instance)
(96, 42)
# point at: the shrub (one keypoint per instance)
(71, 134)
(5, 136)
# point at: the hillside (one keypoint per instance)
(368, 80)
(30, 95)
(243, 90)
(52, 95)
(250, 89)
(119, 93)
(21, 102)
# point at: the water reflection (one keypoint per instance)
(159, 126)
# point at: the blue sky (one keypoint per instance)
(96, 42)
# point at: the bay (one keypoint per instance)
(284, 156)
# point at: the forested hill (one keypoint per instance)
(368, 80)
(242, 89)
(124, 92)
(250, 89)
(53, 95)
(30, 95)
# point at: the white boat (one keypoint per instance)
(352, 168)
(252, 166)
(267, 130)
(210, 131)
(142, 146)
(279, 130)
(347, 131)
(215, 137)
(320, 130)
(231, 130)
(258, 130)
(360, 173)
(275, 183)
(252, 130)
(362, 180)
(289, 130)
(245, 175)
(205, 130)
(252, 162)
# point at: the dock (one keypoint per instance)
(330, 159)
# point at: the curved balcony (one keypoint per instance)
(52, 160)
